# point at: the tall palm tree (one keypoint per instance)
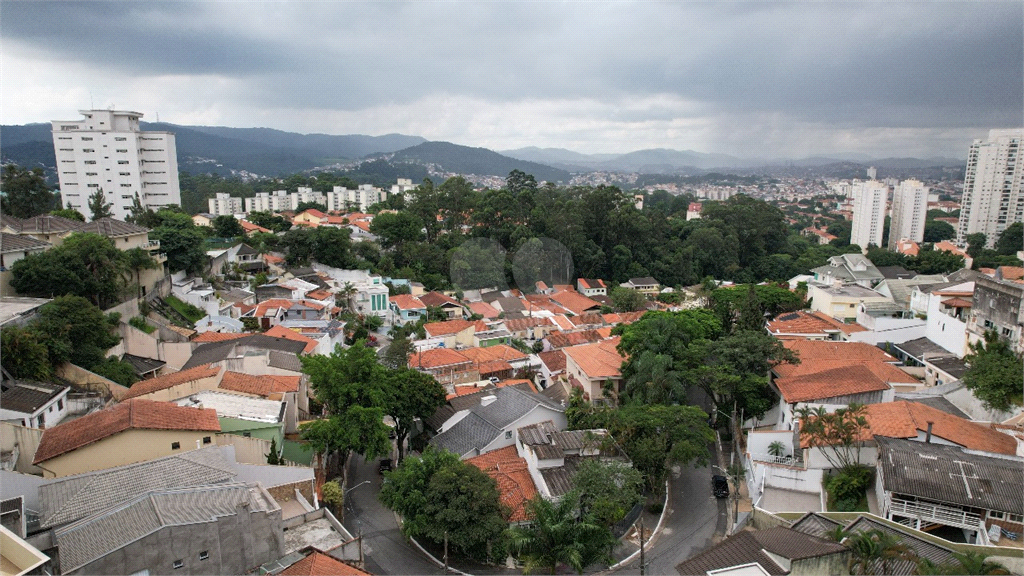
(558, 535)
(875, 551)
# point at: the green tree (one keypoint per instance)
(116, 370)
(24, 193)
(627, 299)
(1011, 240)
(970, 562)
(24, 353)
(937, 230)
(839, 435)
(74, 330)
(69, 213)
(876, 551)
(559, 534)
(396, 229)
(303, 206)
(733, 370)
(270, 221)
(98, 205)
(333, 496)
(85, 264)
(135, 261)
(181, 241)
(975, 244)
(607, 490)
(397, 354)
(994, 374)
(411, 395)
(439, 497)
(274, 456)
(227, 227)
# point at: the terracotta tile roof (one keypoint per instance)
(204, 337)
(564, 339)
(554, 360)
(490, 353)
(484, 309)
(830, 378)
(903, 419)
(563, 322)
(1010, 272)
(947, 246)
(594, 318)
(271, 259)
(518, 324)
(319, 294)
(957, 303)
(802, 322)
(437, 357)
(165, 381)
(819, 349)
(289, 334)
(285, 383)
(320, 564)
(361, 224)
(247, 384)
(591, 283)
(448, 327)
(492, 367)
(598, 360)
(512, 474)
(250, 227)
(134, 414)
(575, 302)
(275, 303)
(438, 299)
(314, 213)
(623, 317)
(407, 302)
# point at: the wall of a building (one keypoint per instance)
(123, 448)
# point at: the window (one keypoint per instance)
(508, 434)
(60, 404)
(122, 161)
(204, 554)
(175, 445)
(179, 564)
(88, 149)
(997, 514)
(206, 440)
(247, 434)
(122, 150)
(120, 138)
(1018, 518)
(86, 138)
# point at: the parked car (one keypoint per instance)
(720, 486)
(385, 466)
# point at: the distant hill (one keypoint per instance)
(466, 160)
(352, 146)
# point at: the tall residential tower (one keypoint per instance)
(992, 187)
(909, 211)
(107, 150)
(869, 199)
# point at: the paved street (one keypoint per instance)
(694, 518)
(386, 550)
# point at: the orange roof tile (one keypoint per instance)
(165, 381)
(903, 419)
(554, 360)
(484, 309)
(496, 352)
(841, 379)
(623, 317)
(204, 337)
(407, 302)
(598, 360)
(289, 334)
(947, 246)
(285, 383)
(250, 227)
(437, 357)
(490, 367)
(564, 339)
(247, 384)
(320, 564)
(134, 414)
(361, 224)
(271, 259)
(575, 302)
(512, 474)
(1011, 272)
(808, 323)
(319, 294)
(563, 322)
(275, 303)
(447, 327)
(438, 299)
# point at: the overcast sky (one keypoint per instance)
(750, 79)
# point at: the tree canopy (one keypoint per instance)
(994, 373)
(24, 193)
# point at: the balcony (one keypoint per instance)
(790, 461)
(151, 245)
(927, 512)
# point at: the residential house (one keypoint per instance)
(14, 247)
(848, 269)
(490, 423)
(646, 285)
(833, 375)
(589, 366)
(365, 293)
(557, 340)
(453, 333)
(494, 336)
(693, 210)
(840, 301)
(242, 415)
(772, 552)
(810, 326)
(901, 289)
(33, 404)
(329, 333)
(131, 431)
(45, 228)
(512, 475)
(251, 354)
(174, 385)
(447, 366)
(887, 322)
(292, 390)
(315, 562)
(313, 346)
(575, 302)
(311, 218)
(591, 287)
(219, 529)
(484, 309)
(501, 360)
(450, 306)
(996, 306)
(553, 457)
(251, 228)
(406, 308)
(552, 368)
(276, 310)
(932, 484)
(822, 237)
(203, 219)
(532, 328)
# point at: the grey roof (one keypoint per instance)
(884, 308)
(236, 295)
(559, 478)
(851, 290)
(246, 250)
(844, 267)
(440, 416)
(896, 272)
(556, 392)
(13, 222)
(922, 548)
(18, 243)
(73, 497)
(901, 289)
(27, 396)
(951, 475)
(644, 281)
(112, 228)
(483, 423)
(918, 348)
(143, 365)
(96, 536)
(747, 547)
(47, 224)
(815, 524)
(510, 304)
(951, 365)
(285, 360)
(218, 351)
(937, 402)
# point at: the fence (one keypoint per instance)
(623, 526)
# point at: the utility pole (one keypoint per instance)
(643, 560)
(445, 551)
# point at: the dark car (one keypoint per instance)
(385, 466)
(719, 486)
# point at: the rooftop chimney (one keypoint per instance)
(928, 435)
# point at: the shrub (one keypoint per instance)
(849, 484)
(655, 507)
(140, 323)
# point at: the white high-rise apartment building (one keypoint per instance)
(869, 200)
(402, 186)
(107, 150)
(281, 200)
(909, 212)
(992, 186)
(345, 199)
(225, 205)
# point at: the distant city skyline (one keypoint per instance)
(752, 80)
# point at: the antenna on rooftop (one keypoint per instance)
(92, 105)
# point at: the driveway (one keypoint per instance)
(694, 518)
(385, 549)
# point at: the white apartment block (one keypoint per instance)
(225, 205)
(344, 199)
(281, 200)
(869, 200)
(107, 150)
(402, 186)
(909, 211)
(992, 186)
